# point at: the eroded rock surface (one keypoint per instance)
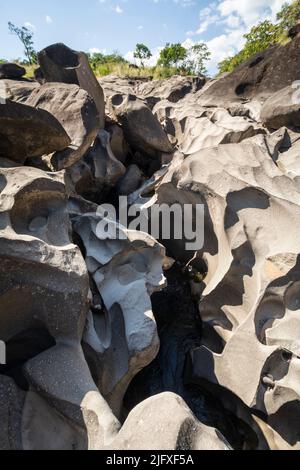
(9, 70)
(61, 64)
(77, 113)
(19, 139)
(100, 354)
(142, 130)
(258, 78)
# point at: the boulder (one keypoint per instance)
(11, 408)
(193, 127)
(142, 130)
(126, 267)
(131, 181)
(112, 85)
(44, 289)
(174, 89)
(98, 171)
(29, 132)
(77, 114)
(18, 90)
(282, 108)
(250, 292)
(13, 71)
(118, 143)
(165, 423)
(59, 63)
(259, 77)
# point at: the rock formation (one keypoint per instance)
(13, 71)
(115, 339)
(59, 63)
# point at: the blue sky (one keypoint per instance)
(107, 25)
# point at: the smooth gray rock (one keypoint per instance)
(59, 63)
(282, 108)
(142, 130)
(77, 114)
(131, 181)
(10, 70)
(29, 132)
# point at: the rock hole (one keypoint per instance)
(117, 100)
(242, 88)
(256, 62)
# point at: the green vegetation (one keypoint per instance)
(197, 55)
(173, 55)
(174, 60)
(264, 35)
(26, 37)
(189, 61)
(142, 53)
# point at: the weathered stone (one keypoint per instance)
(98, 172)
(142, 130)
(44, 300)
(126, 269)
(118, 143)
(174, 89)
(59, 63)
(282, 109)
(11, 407)
(259, 77)
(131, 181)
(29, 132)
(165, 423)
(18, 91)
(249, 295)
(14, 71)
(76, 112)
(193, 127)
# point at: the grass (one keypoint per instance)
(124, 70)
(30, 70)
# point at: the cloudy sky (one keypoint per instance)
(107, 25)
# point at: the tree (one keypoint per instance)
(260, 37)
(98, 58)
(26, 37)
(142, 53)
(264, 35)
(173, 55)
(288, 15)
(197, 55)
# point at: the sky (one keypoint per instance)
(108, 25)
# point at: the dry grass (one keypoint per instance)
(123, 70)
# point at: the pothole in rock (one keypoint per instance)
(180, 330)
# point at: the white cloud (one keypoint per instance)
(96, 50)
(224, 46)
(238, 16)
(250, 12)
(149, 63)
(118, 9)
(30, 26)
(49, 20)
(185, 3)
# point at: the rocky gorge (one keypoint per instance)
(136, 342)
